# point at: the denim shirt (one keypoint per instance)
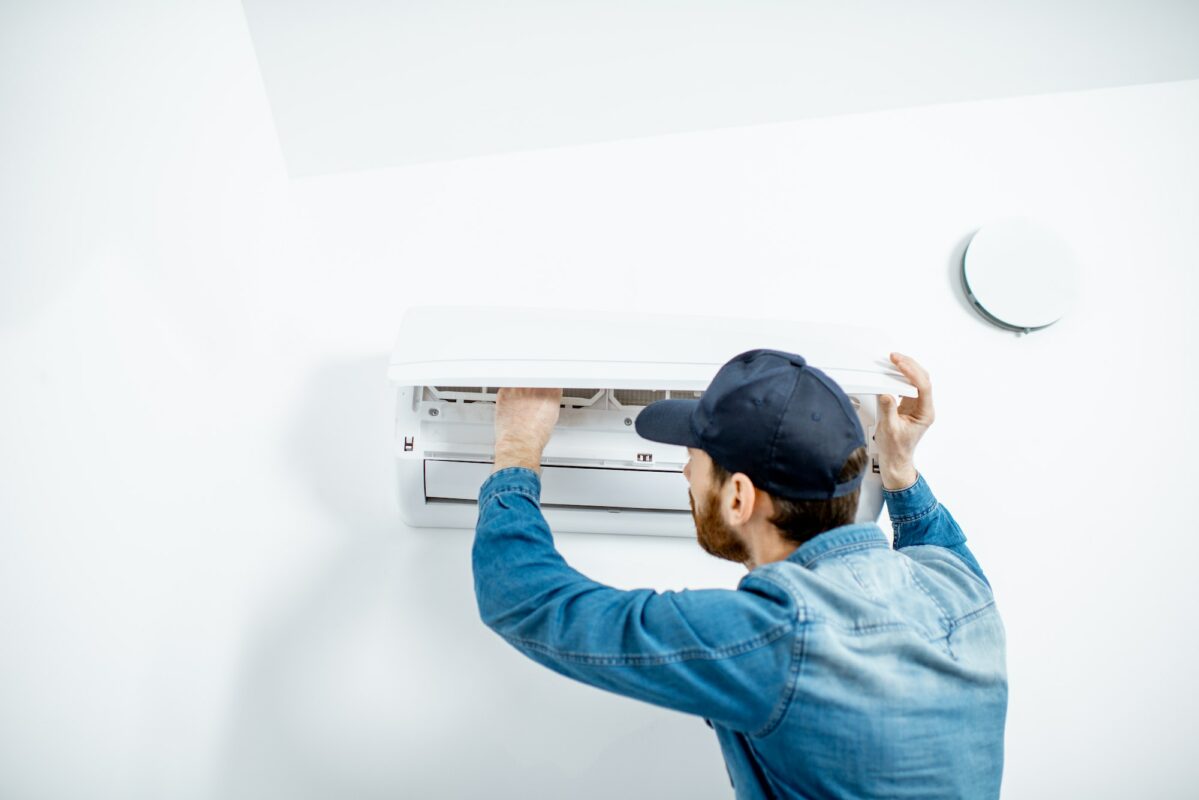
(849, 669)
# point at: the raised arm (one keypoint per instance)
(722, 654)
(718, 653)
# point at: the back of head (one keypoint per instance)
(800, 520)
(783, 423)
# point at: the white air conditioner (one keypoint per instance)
(597, 474)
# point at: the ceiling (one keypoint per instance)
(363, 84)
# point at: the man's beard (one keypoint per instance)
(714, 536)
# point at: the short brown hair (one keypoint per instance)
(800, 520)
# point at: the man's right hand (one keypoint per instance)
(900, 428)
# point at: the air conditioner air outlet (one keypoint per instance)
(618, 399)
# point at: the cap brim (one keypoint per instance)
(668, 421)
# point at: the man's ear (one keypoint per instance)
(743, 498)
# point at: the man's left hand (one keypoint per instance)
(524, 422)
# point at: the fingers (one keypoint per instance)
(510, 399)
(912, 370)
(918, 376)
(888, 415)
(514, 391)
(526, 415)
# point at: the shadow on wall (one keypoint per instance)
(378, 679)
(346, 682)
(955, 278)
(958, 289)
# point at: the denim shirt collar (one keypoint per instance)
(856, 536)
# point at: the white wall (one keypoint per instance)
(204, 587)
(360, 84)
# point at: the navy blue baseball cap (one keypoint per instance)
(769, 415)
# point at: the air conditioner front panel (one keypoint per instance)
(484, 346)
(613, 375)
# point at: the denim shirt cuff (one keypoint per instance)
(905, 505)
(520, 480)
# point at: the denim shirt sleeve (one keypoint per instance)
(719, 653)
(918, 519)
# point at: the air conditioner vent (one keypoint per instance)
(643, 397)
(637, 397)
(591, 398)
(486, 394)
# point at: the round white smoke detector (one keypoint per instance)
(1019, 275)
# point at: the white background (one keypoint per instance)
(205, 590)
(359, 84)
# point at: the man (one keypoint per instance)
(839, 667)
